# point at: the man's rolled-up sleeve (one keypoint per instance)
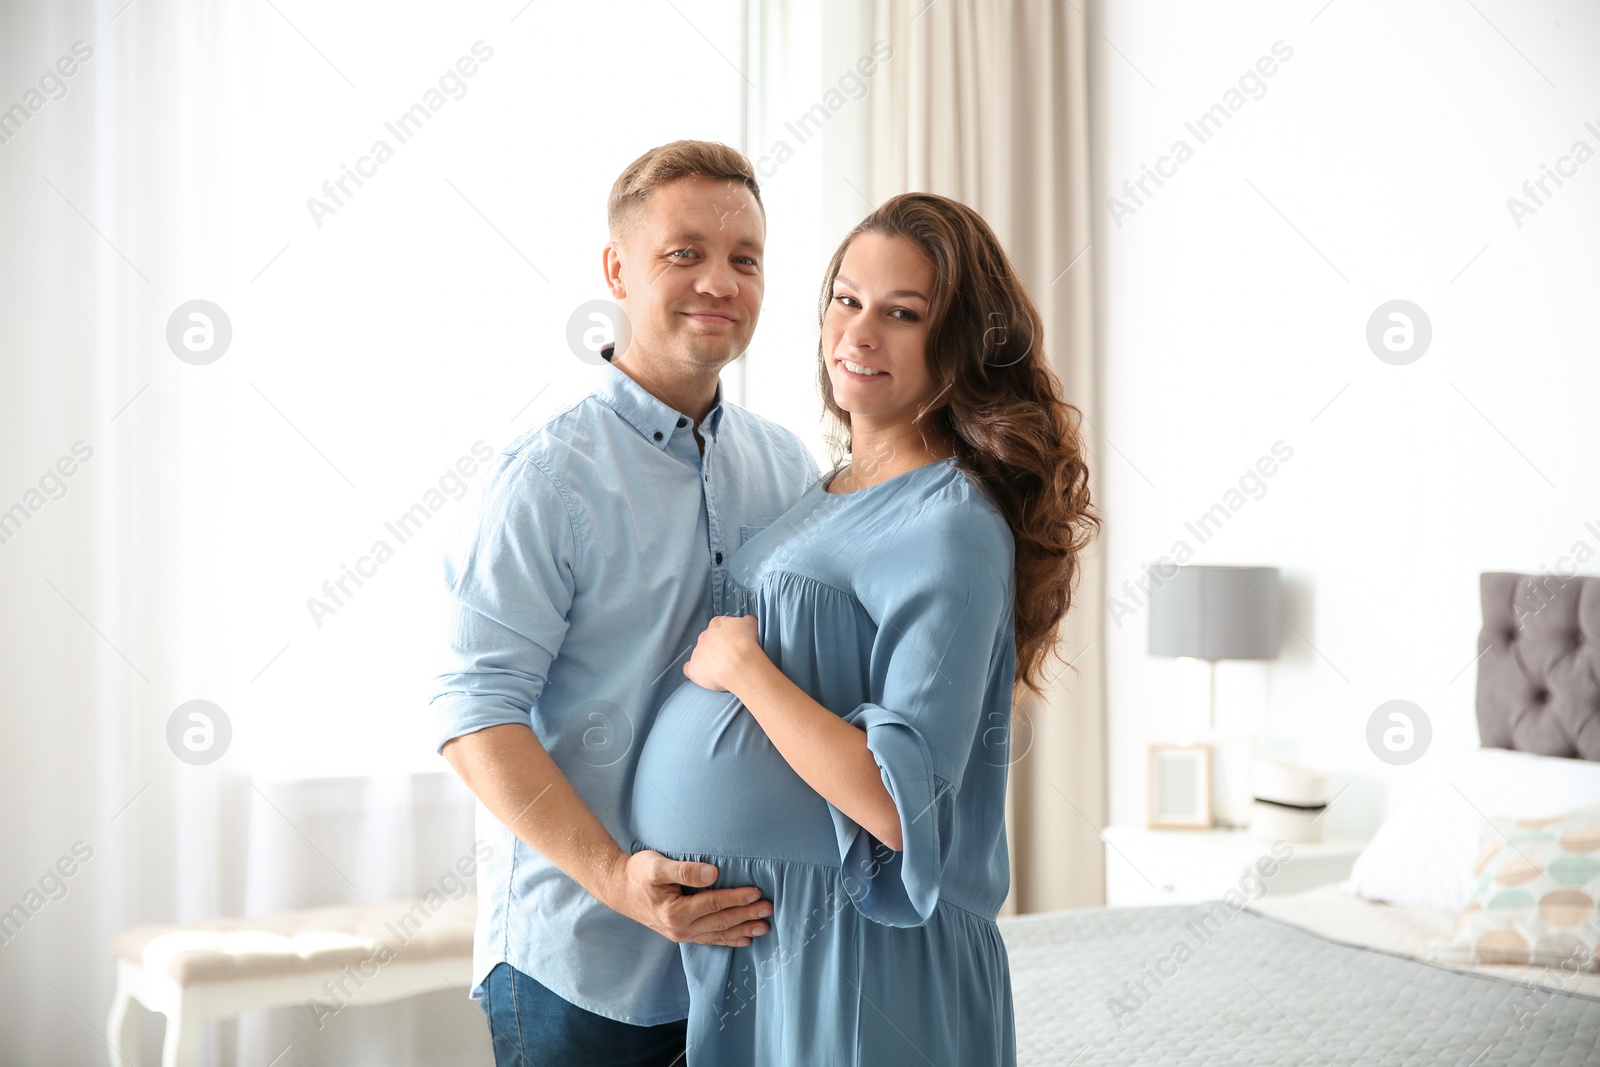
(511, 585)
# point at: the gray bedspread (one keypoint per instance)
(1204, 984)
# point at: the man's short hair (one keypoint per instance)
(674, 162)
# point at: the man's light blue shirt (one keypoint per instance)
(600, 553)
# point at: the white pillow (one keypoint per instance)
(1422, 856)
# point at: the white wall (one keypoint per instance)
(1376, 164)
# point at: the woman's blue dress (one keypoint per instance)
(891, 606)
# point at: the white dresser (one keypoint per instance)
(1146, 866)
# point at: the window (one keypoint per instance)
(417, 206)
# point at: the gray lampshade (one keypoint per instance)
(1214, 612)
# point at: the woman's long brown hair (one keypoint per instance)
(1014, 433)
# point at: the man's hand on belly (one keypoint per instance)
(663, 894)
(508, 769)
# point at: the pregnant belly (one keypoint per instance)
(710, 783)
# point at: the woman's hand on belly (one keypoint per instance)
(725, 652)
(829, 754)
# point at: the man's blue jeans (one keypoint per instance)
(532, 1027)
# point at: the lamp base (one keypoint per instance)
(1233, 757)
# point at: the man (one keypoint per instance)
(601, 553)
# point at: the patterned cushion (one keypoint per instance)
(1538, 881)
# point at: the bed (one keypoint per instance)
(1399, 964)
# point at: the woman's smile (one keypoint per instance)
(861, 370)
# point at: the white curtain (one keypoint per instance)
(985, 102)
(110, 218)
(360, 839)
(100, 576)
(813, 77)
(164, 524)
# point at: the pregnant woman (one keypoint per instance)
(844, 746)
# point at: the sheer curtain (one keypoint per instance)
(985, 101)
(171, 527)
(103, 570)
(815, 70)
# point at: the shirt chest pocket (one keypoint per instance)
(747, 532)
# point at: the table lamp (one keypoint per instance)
(1215, 613)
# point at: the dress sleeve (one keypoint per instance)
(943, 651)
(511, 586)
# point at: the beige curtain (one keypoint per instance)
(985, 101)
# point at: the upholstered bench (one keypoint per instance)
(323, 958)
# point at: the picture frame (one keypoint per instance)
(1180, 787)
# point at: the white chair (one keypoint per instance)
(325, 958)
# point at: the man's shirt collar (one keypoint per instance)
(654, 419)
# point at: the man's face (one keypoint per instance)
(687, 271)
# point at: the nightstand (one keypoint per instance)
(1146, 866)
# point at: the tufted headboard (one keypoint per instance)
(1539, 665)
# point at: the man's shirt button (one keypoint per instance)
(657, 435)
(719, 557)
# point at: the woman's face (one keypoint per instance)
(875, 331)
